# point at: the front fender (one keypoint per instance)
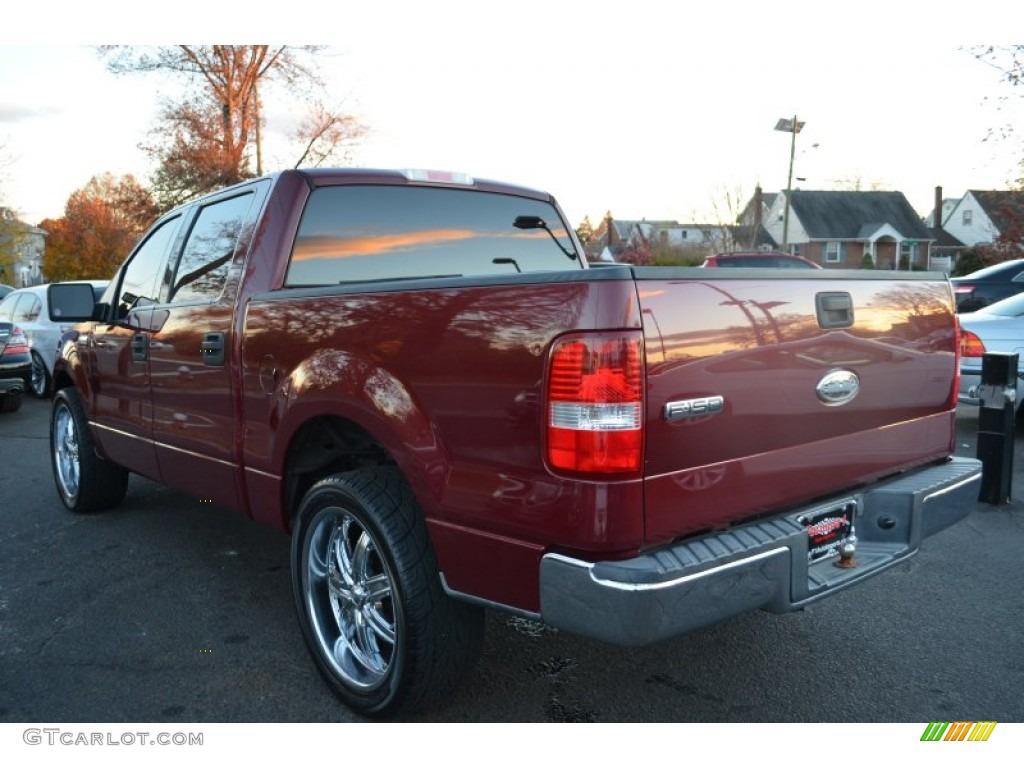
(70, 367)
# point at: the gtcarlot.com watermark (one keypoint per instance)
(53, 737)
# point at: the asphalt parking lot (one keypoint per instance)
(166, 610)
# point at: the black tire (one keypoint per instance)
(85, 482)
(10, 402)
(377, 621)
(39, 384)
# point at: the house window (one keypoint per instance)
(968, 218)
(683, 235)
(794, 249)
(833, 252)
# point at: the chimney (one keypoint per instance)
(610, 230)
(938, 208)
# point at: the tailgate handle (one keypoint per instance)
(834, 309)
(140, 347)
(213, 349)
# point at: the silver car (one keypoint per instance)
(27, 307)
(997, 327)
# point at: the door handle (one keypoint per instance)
(140, 347)
(834, 309)
(213, 349)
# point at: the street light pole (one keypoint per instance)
(791, 126)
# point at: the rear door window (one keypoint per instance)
(28, 309)
(359, 233)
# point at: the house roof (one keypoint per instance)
(1005, 209)
(847, 215)
(12, 223)
(943, 239)
(741, 234)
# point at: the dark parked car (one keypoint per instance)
(989, 284)
(27, 307)
(15, 366)
(4, 290)
(773, 259)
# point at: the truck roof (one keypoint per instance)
(329, 176)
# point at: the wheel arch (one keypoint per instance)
(320, 446)
(320, 438)
(69, 371)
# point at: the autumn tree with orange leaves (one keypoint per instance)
(101, 224)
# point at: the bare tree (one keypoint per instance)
(327, 135)
(720, 233)
(207, 138)
(1008, 62)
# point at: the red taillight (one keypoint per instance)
(964, 289)
(970, 345)
(16, 342)
(595, 404)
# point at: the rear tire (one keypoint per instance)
(10, 402)
(40, 381)
(368, 594)
(85, 482)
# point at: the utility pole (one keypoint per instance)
(788, 126)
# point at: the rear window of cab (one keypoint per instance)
(356, 233)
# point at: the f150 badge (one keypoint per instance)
(838, 388)
(691, 409)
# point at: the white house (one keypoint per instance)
(21, 251)
(981, 216)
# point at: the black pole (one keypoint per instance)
(996, 425)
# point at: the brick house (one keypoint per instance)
(837, 229)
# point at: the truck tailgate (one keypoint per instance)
(765, 389)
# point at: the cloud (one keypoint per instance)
(12, 113)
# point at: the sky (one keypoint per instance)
(643, 109)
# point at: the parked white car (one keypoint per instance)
(27, 307)
(997, 327)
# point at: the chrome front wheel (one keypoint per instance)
(67, 467)
(85, 481)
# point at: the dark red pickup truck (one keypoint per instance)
(420, 378)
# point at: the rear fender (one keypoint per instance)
(338, 383)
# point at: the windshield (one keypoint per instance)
(1011, 307)
(1003, 269)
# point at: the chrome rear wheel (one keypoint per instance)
(350, 599)
(369, 597)
(40, 379)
